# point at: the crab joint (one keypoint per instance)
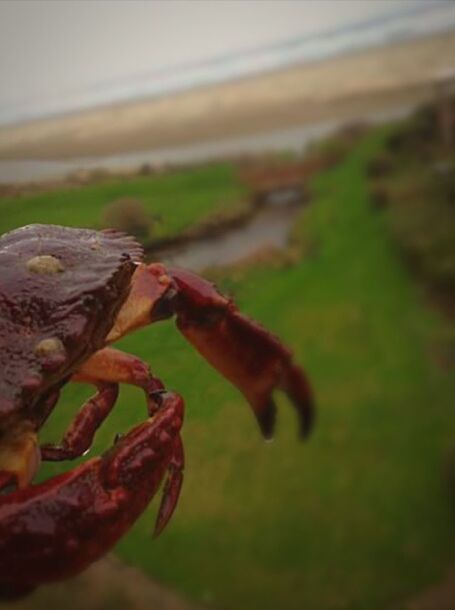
(44, 265)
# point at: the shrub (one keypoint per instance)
(129, 215)
(380, 197)
(382, 165)
(449, 472)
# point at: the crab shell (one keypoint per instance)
(60, 291)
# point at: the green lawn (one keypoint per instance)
(357, 518)
(178, 200)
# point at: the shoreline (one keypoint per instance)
(23, 174)
(337, 88)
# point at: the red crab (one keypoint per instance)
(65, 295)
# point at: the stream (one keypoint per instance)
(269, 227)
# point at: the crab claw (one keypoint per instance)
(55, 529)
(242, 350)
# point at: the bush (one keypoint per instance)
(444, 173)
(449, 472)
(129, 215)
(380, 197)
(382, 165)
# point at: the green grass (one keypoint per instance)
(357, 518)
(178, 200)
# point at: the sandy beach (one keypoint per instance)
(336, 88)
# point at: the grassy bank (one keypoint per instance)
(173, 201)
(357, 518)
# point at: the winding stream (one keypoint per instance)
(270, 227)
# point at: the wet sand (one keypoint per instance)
(83, 170)
(339, 88)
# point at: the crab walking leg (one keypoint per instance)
(56, 529)
(79, 437)
(105, 369)
(114, 366)
(172, 487)
(242, 350)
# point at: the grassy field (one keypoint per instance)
(359, 517)
(174, 202)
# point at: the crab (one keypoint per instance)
(66, 295)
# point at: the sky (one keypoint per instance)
(51, 50)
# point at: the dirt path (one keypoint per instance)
(107, 585)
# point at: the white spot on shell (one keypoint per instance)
(95, 244)
(44, 265)
(49, 346)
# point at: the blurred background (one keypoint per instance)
(302, 155)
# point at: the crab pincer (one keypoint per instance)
(55, 529)
(243, 351)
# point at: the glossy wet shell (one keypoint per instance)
(60, 290)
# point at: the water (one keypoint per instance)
(269, 228)
(23, 170)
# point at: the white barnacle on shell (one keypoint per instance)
(50, 346)
(44, 264)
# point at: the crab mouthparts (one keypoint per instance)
(20, 455)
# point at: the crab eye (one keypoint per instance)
(44, 265)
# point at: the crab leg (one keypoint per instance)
(55, 529)
(79, 437)
(172, 487)
(114, 366)
(105, 369)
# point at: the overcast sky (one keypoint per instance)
(52, 48)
